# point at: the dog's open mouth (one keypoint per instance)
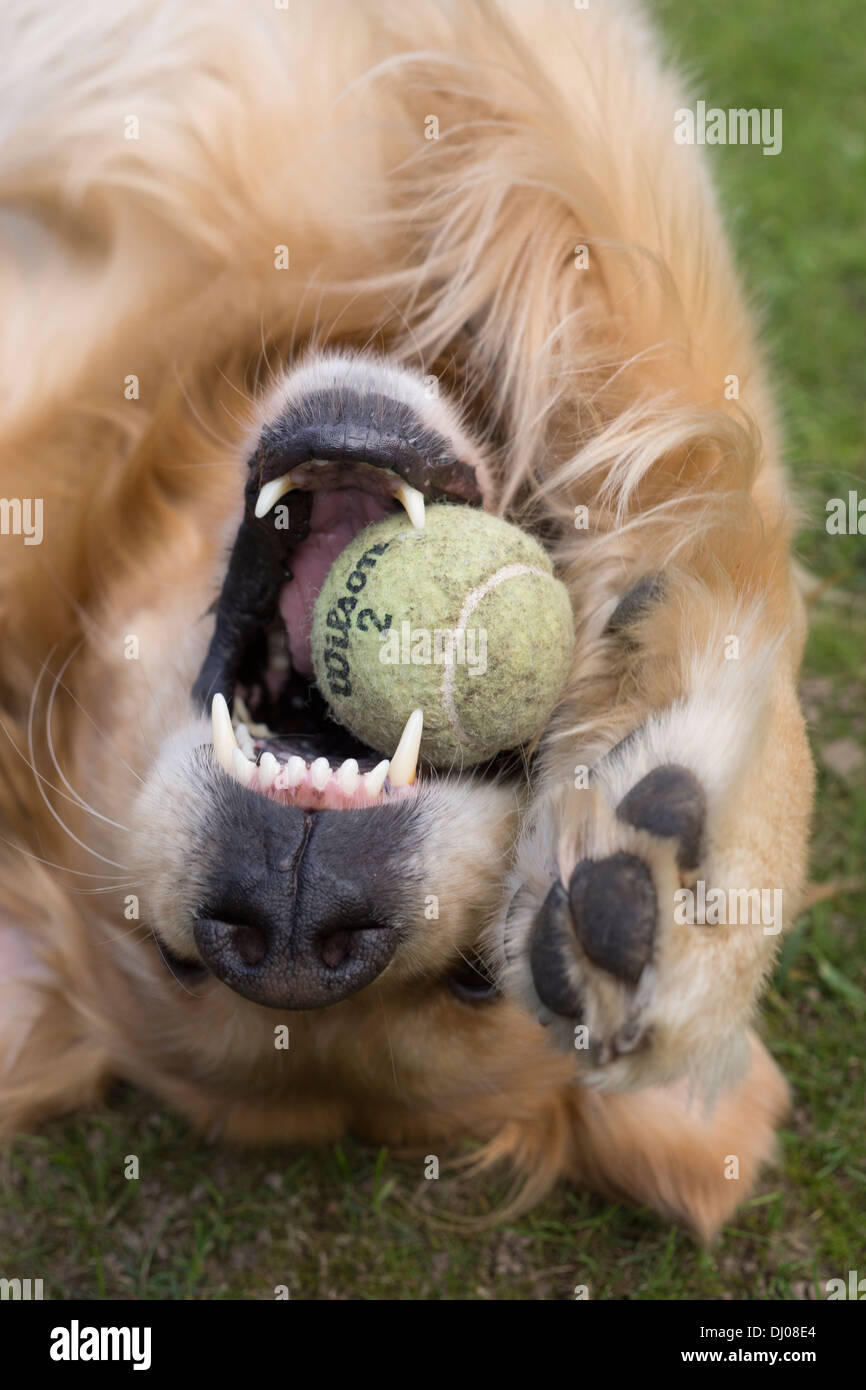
(322, 473)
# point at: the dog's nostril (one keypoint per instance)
(340, 946)
(287, 957)
(250, 943)
(228, 946)
(335, 948)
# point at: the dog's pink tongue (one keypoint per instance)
(335, 520)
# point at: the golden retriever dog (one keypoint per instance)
(270, 271)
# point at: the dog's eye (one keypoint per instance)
(470, 980)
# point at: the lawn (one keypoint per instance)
(348, 1222)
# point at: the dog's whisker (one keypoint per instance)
(244, 395)
(388, 1036)
(478, 965)
(137, 929)
(101, 732)
(192, 993)
(228, 444)
(50, 863)
(412, 335)
(110, 888)
(264, 346)
(302, 301)
(42, 793)
(85, 805)
(39, 775)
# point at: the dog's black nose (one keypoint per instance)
(291, 970)
(302, 909)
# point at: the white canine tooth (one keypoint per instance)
(296, 771)
(405, 760)
(242, 768)
(320, 772)
(348, 777)
(268, 769)
(413, 501)
(224, 741)
(374, 781)
(272, 492)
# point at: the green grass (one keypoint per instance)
(348, 1222)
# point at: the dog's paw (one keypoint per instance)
(605, 940)
(591, 954)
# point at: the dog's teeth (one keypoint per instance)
(374, 781)
(413, 501)
(224, 741)
(240, 711)
(243, 719)
(268, 769)
(242, 768)
(296, 771)
(405, 760)
(245, 741)
(348, 777)
(320, 772)
(272, 492)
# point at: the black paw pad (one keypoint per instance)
(669, 802)
(550, 949)
(613, 906)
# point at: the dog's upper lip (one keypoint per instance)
(348, 427)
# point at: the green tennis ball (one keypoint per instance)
(462, 619)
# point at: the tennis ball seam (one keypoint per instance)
(470, 603)
(465, 572)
